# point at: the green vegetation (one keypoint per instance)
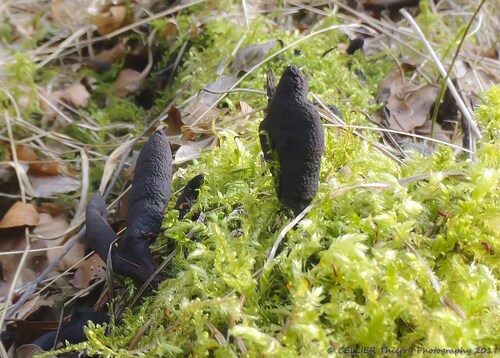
(354, 272)
(407, 265)
(390, 255)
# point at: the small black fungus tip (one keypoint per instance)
(292, 137)
(354, 45)
(99, 234)
(73, 331)
(189, 195)
(130, 256)
(151, 187)
(292, 81)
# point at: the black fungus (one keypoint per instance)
(99, 233)
(132, 257)
(72, 331)
(149, 195)
(448, 112)
(292, 136)
(129, 256)
(189, 195)
(355, 44)
(150, 190)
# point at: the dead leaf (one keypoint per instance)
(30, 351)
(76, 95)
(192, 150)
(169, 32)
(112, 161)
(45, 187)
(111, 20)
(409, 106)
(174, 121)
(250, 56)
(13, 240)
(67, 13)
(33, 305)
(244, 108)
(38, 166)
(191, 115)
(20, 214)
(89, 270)
(74, 255)
(52, 227)
(26, 154)
(128, 81)
(112, 55)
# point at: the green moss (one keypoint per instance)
(358, 270)
(345, 275)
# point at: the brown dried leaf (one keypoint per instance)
(20, 214)
(174, 121)
(112, 161)
(191, 150)
(89, 270)
(170, 31)
(44, 187)
(110, 21)
(244, 108)
(409, 106)
(128, 81)
(52, 227)
(36, 166)
(191, 115)
(13, 241)
(30, 351)
(112, 55)
(76, 95)
(74, 255)
(33, 305)
(26, 153)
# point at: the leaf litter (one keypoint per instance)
(408, 105)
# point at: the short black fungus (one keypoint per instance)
(292, 136)
(189, 195)
(72, 331)
(356, 44)
(150, 190)
(129, 256)
(99, 233)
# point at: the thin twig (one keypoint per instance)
(442, 70)
(285, 230)
(412, 135)
(268, 58)
(27, 248)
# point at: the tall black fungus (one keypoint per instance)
(292, 136)
(151, 189)
(149, 195)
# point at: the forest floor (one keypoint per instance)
(400, 249)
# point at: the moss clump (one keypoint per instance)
(358, 270)
(412, 266)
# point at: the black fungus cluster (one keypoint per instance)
(149, 195)
(151, 190)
